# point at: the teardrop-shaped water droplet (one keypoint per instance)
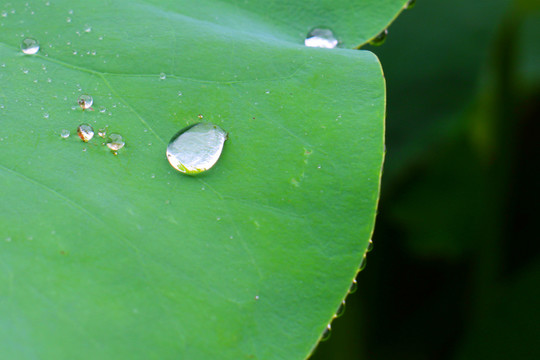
(85, 132)
(115, 142)
(85, 101)
(409, 5)
(322, 38)
(379, 39)
(196, 148)
(326, 333)
(30, 46)
(64, 134)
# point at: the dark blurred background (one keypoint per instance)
(455, 270)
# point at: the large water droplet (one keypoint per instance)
(30, 46)
(379, 39)
(410, 4)
(322, 38)
(196, 148)
(85, 101)
(85, 132)
(115, 142)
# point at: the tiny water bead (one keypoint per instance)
(162, 76)
(370, 245)
(196, 148)
(102, 133)
(354, 287)
(326, 333)
(341, 309)
(115, 142)
(321, 38)
(379, 39)
(410, 4)
(30, 46)
(85, 101)
(65, 134)
(85, 132)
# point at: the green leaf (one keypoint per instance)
(116, 257)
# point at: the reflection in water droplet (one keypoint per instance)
(322, 38)
(410, 4)
(341, 309)
(30, 46)
(115, 142)
(64, 134)
(370, 245)
(85, 101)
(354, 287)
(85, 132)
(162, 76)
(102, 133)
(196, 148)
(327, 332)
(379, 39)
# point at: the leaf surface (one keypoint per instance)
(115, 257)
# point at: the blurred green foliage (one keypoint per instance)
(455, 273)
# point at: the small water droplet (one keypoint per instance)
(46, 115)
(102, 109)
(379, 39)
(68, 19)
(179, 93)
(85, 132)
(267, 92)
(256, 297)
(363, 263)
(100, 38)
(8, 239)
(370, 245)
(65, 134)
(87, 28)
(200, 116)
(354, 287)
(341, 309)
(196, 148)
(326, 333)
(4, 13)
(30, 46)
(162, 76)
(102, 133)
(115, 142)
(85, 101)
(47, 3)
(321, 38)
(410, 4)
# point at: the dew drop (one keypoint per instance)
(200, 116)
(30, 46)
(322, 38)
(64, 134)
(115, 142)
(85, 132)
(379, 39)
(326, 333)
(196, 148)
(87, 28)
(410, 4)
(85, 101)
(162, 76)
(102, 133)
(4, 13)
(46, 115)
(68, 19)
